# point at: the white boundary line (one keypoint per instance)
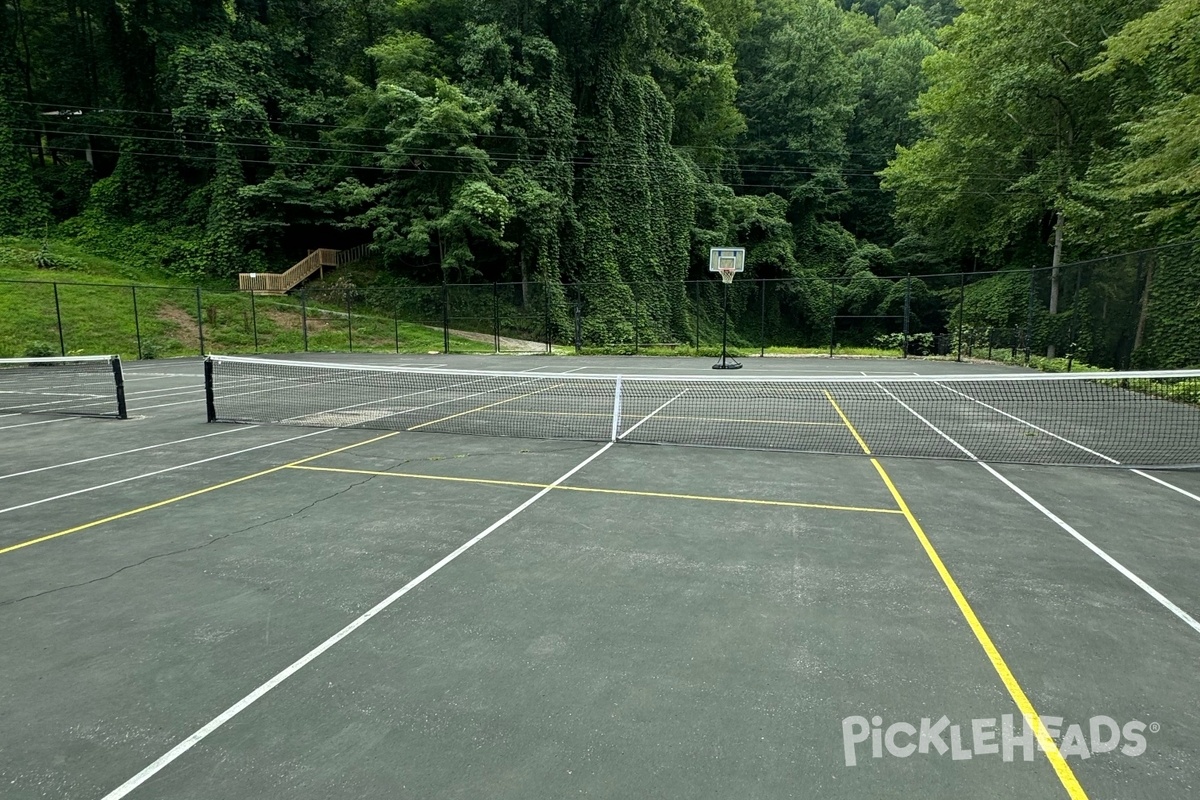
(1112, 562)
(225, 716)
(42, 422)
(1170, 486)
(162, 471)
(1065, 440)
(124, 452)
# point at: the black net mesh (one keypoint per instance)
(1143, 419)
(91, 386)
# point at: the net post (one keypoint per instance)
(210, 403)
(62, 345)
(137, 325)
(200, 320)
(119, 379)
(616, 419)
(254, 320)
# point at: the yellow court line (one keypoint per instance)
(177, 498)
(628, 492)
(484, 408)
(1066, 775)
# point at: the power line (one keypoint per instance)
(507, 158)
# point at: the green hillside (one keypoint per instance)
(96, 298)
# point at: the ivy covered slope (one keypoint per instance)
(608, 145)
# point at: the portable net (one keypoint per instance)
(1144, 419)
(85, 385)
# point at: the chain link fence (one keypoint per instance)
(1132, 310)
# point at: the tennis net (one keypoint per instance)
(84, 385)
(1146, 419)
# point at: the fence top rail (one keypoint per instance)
(191, 288)
(58, 359)
(574, 377)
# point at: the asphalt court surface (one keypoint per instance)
(666, 622)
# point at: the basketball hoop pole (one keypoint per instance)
(726, 362)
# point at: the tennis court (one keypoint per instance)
(696, 587)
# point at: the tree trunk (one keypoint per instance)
(524, 280)
(1054, 274)
(1144, 312)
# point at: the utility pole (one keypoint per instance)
(1054, 273)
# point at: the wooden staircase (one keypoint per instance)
(316, 261)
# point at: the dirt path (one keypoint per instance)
(506, 342)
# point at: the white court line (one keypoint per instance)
(162, 471)
(651, 414)
(43, 422)
(1170, 486)
(123, 452)
(1112, 562)
(241, 705)
(1065, 440)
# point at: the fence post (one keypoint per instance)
(962, 310)
(636, 325)
(546, 292)
(496, 314)
(697, 317)
(445, 314)
(304, 316)
(578, 321)
(832, 318)
(1029, 322)
(350, 317)
(200, 320)
(907, 313)
(137, 326)
(396, 323)
(62, 344)
(254, 320)
(762, 320)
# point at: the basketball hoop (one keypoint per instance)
(728, 261)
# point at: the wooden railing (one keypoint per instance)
(316, 261)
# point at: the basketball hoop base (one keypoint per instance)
(727, 362)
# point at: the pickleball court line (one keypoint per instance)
(1065, 440)
(241, 705)
(1158, 596)
(1062, 769)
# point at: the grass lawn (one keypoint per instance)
(96, 303)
